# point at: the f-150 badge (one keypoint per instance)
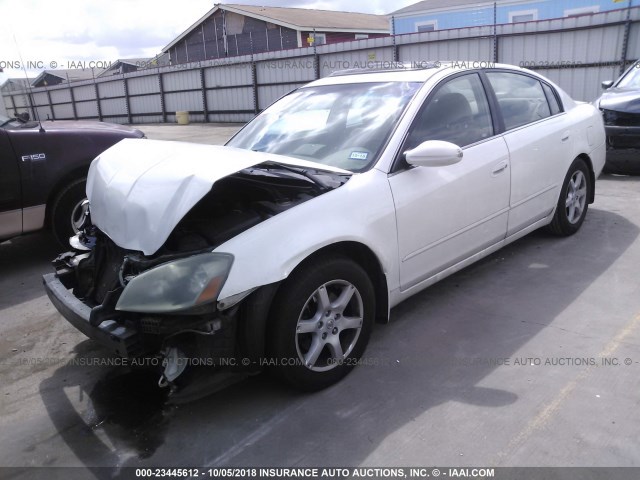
(34, 157)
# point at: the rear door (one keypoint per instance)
(539, 145)
(10, 190)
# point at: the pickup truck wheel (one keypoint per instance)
(321, 323)
(573, 202)
(66, 211)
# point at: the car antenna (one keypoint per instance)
(26, 77)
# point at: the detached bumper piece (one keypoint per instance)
(116, 337)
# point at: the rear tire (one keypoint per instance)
(574, 200)
(321, 323)
(66, 211)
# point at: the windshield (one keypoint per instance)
(631, 79)
(344, 126)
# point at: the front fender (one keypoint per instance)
(360, 211)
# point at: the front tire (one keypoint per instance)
(66, 213)
(321, 323)
(574, 200)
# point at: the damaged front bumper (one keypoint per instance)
(118, 338)
(205, 337)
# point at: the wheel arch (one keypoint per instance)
(368, 260)
(255, 311)
(592, 175)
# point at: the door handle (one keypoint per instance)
(501, 167)
(565, 136)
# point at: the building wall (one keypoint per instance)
(337, 37)
(48, 80)
(244, 35)
(12, 85)
(478, 16)
(122, 69)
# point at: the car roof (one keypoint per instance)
(376, 72)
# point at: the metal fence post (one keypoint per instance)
(254, 78)
(205, 104)
(495, 32)
(162, 105)
(316, 57)
(31, 103)
(53, 115)
(126, 98)
(73, 103)
(95, 88)
(625, 39)
(396, 50)
(13, 105)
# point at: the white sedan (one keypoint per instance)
(345, 197)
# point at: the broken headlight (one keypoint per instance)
(177, 285)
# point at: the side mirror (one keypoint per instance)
(606, 84)
(434, 153)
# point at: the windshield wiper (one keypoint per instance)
(319, 183)
(8, 121)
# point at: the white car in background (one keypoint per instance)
(335, 204)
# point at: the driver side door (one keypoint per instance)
(447, 214)
(10, 190)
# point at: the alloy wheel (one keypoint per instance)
(576, 197)
(329, 325)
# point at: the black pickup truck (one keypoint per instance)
(620, 106)
(43, 168)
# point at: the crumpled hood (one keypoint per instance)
(621, 100)
(140, 189)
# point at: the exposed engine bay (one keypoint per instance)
(99, 271)
(241, 201)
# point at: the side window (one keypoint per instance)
(520, 97)
(553, 100)
(458, 112)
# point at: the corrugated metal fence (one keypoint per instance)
(575, 52)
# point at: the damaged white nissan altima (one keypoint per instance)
(339, 201)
